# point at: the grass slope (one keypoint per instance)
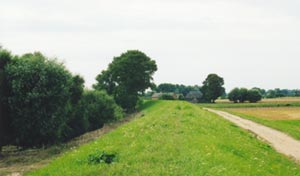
(176, 138)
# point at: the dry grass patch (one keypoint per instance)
(280, 113)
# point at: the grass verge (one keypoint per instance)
(16, 161)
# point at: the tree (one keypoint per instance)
(234, 95)
(254, 96)
(38, 99)
(243, 95)
(5, 58)
(212, 88)
(126, 77)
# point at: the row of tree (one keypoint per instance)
(42, 103)
(176, 88)
(211, 89)
(242, 94)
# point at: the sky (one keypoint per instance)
(250, 43)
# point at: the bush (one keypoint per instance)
(254, 96)
(39, 93)
(167, 97)
(98, 108)
(76, 125)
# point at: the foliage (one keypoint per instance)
(176, 88)
(254, 96)
(75, 124)
(234, 95)
(96, 108)
(167, 97)
(5, 58)
(101, 157)
(127, 75)
(212, 88)
(275, 93)
(39, 92)
(243, 95)
(194, 96)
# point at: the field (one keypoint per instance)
(174, 138)
(273, 102)
(282, 114)
(286, 119)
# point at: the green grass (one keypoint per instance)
(290, 127)
(175, 138)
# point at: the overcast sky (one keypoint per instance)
(249, 43)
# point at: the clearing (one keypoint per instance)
(175, 138)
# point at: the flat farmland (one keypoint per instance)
(280, 113)
(285, 119)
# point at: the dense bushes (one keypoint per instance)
(166, 96)
(5, 58)
(39, 92)
(43, 103)
(96, 107)
(243, 94)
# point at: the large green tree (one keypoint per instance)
(212, 88)
(234, 95)
(126, 77)
(5, 58)
(254, 96)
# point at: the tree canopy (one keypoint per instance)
(212, 88)
(128, 75)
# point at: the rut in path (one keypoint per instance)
(278, 140)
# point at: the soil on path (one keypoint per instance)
(278, 140)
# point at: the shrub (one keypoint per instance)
(98, 108)
(101, 157)
(39, 93)
(167, 97)
(76, 124)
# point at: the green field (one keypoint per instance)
(266, 114)
(289, 126)
(175, 138)
(269, 102)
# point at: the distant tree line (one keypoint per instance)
(256, 94)
(276, 93)
(240, 95)
(211, 89)
(176, 88)
(42, 103)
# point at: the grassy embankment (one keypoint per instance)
(175, 138)
(280, 113)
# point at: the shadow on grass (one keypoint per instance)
(147, 104)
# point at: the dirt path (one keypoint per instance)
(280, 141)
